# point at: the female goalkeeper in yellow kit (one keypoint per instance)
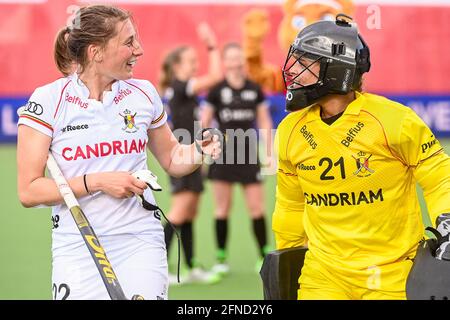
(348, 166)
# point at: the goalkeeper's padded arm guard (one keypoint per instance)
(280, 273)
(429, 278)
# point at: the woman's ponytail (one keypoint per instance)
(63, 60)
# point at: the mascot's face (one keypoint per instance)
(255, 25)
(300, 13)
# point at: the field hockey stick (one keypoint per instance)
(92, 242)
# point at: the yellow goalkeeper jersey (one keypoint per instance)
(349, 188)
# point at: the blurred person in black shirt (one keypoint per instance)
(238, 104)
(180, 87)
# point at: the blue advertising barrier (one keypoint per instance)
(9, 117)
(434, 110)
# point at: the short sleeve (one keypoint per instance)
(38, 113)
(182, 88)
(417, 142)
(189, 88)
(159, 114)
(260, 97)
(212, 98)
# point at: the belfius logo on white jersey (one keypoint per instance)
(128, 118)
(76, 100)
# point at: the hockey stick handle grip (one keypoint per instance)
(61, 182)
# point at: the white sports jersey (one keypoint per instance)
(90, 136)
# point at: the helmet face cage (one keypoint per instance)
(300, 60)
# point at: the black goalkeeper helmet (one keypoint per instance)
(343, 56)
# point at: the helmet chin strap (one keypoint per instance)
(304, 97)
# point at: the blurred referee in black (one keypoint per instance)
(238, 104)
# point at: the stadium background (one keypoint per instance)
(409, 48)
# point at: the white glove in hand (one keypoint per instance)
(149, 178)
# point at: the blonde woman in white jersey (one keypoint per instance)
(98, 122)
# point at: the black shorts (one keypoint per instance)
(192, 182)
(235, 173)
